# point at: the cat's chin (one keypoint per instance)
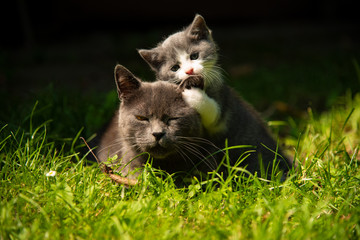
(159, 152)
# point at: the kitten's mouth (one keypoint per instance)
(193, 75)
(193, 81)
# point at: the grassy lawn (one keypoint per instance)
(321, 200)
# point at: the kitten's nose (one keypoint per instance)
(158, 135)
(190, 71)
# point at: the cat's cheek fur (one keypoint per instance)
(207, 107)
(187, 64)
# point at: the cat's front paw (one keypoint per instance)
(194, 97)
(207, 107)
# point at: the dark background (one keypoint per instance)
(282, 56)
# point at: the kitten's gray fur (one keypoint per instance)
(237, 121)
(195, 38)
(154, 118)
(176, 50)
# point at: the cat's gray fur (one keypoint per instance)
(237, 121)
(196, 38)
(154, 118)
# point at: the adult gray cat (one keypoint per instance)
(224, 115)
(155, 118)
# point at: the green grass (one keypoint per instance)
(320, 201)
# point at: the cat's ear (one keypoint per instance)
(198, 29)
(126, 82)
(195, 81)
(151, 56)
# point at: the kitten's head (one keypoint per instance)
(153, 117)
(186, 53)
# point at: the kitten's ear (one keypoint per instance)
(151, 56)
(126, 82)
(195, 81)
(198, 29)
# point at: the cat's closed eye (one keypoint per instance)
(175, 67)
(141, 118)
(172, 119)
(166, 119)
(194, 56)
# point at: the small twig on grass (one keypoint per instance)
(108, 171)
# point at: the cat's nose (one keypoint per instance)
(190, 71)
(158, 135)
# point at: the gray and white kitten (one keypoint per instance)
(154, 117)
(224, 114)
(187, 53)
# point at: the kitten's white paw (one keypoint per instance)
(194, 97)
(207, 107)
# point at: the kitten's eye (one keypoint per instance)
(194, 56)
(175, 68)
(141, 118)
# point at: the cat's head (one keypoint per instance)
(185, 53)
(153, 117)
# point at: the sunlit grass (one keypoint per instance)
(319, 201)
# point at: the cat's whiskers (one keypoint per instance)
(213, 75)
(191, 148)
(185, 156)
(203, 142)
(142, 143)
(200, 140)
(196, 144)
(115, 143)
